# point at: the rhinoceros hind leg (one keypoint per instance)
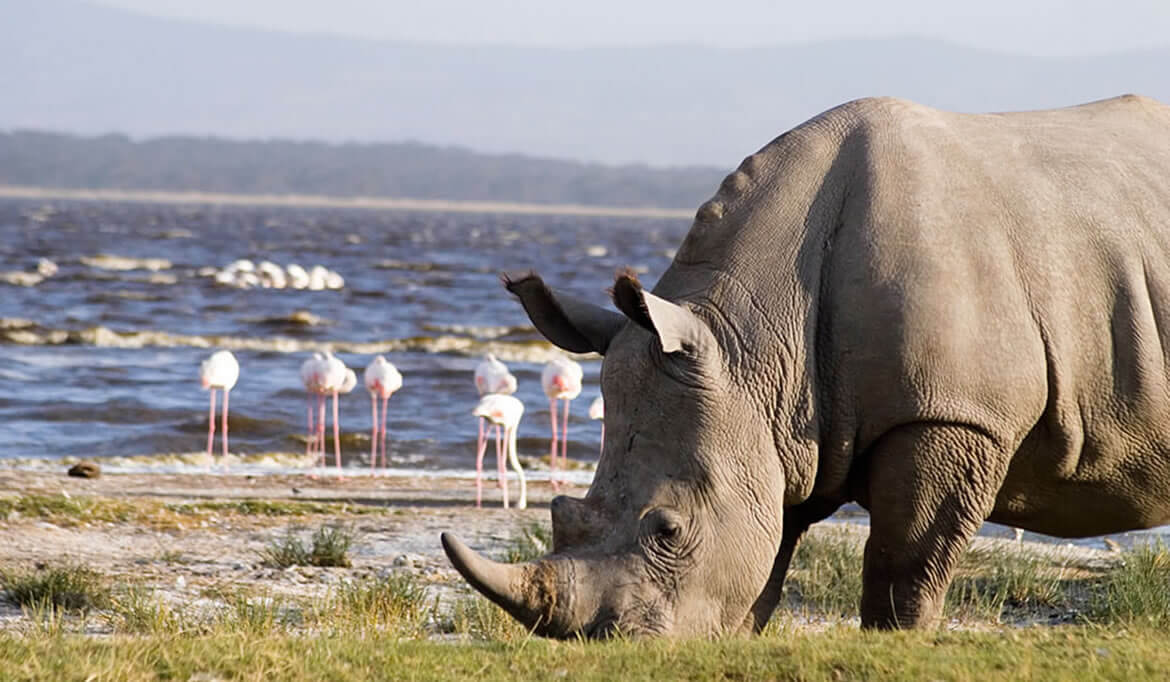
(930, 487)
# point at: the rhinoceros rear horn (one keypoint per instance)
(675, 326)
(572, 324)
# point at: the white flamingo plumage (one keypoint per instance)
(561, 380)
(382, 379)
(491, 377)
(312, 375)
(326, 375)
(504, 411)
(221, 371)
(597, 411)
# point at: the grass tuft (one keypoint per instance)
(68, 587)
(328, 546)
(1137, 592)
(475, 617)
(397, 602)
(825, 574)
(533, 541)
(138, 610)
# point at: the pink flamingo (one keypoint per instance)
(561, 380)
(313, 376)
(597, 411)
(221, 370)
(504, 411)
(382, 379)
(491, 377)
(327, 375)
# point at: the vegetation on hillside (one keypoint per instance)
(404, 170)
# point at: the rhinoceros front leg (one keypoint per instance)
(796, 521)
(930, 486)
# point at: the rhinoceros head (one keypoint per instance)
(679, 530)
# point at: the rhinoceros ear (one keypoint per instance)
(572, 324)
(675, 326)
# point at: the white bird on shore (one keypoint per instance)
(491, 376)
(561, 380)
(504, 411)
(325, 375)
(382, 379)
(221, 371)
(597, 411)
(338, 379)
(298, 277)
(313, 377)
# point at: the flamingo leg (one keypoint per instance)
(501, 471)
(552, 454)
(321, 429)
(522, 503)
(312, 433)
(373, 433)
(385, 459)
(480, 448)
(336, 437)
(210, 426)
(602, 448)
(226, 392)
(565, 442)
(504, 478)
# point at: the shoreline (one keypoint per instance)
(323, 201)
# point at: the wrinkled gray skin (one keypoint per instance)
(946, 318)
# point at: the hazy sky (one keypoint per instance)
(1036, 27)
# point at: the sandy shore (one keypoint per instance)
(399, 530)
(305, 200)
(396, 520)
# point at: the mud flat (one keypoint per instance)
(186, 536)
(191, 538)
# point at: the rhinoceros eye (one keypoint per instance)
(663, 524)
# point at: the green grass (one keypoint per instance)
(1136, 593)
(839, 653)
(825, 579)
(328, 546)
(68, 587)
(80, 509)
(531, 541)
(397, 603)
(825, 574)
(384, 628)
(474, 617)
(137, 610)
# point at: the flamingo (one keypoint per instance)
(491, 376)
(597, 411)
(503, 411)
(327, 375)
(382, 379)
(312, 375)
(561, 380)
(221, 370)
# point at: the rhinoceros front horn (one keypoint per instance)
(526, 591)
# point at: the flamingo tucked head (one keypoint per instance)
(221, 370)
(382, 378)
(492, 376)
(561, 378)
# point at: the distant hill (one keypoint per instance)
(70, 66)
(410, 170)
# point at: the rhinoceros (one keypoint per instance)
(945, 318)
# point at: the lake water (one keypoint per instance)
(101, 358)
